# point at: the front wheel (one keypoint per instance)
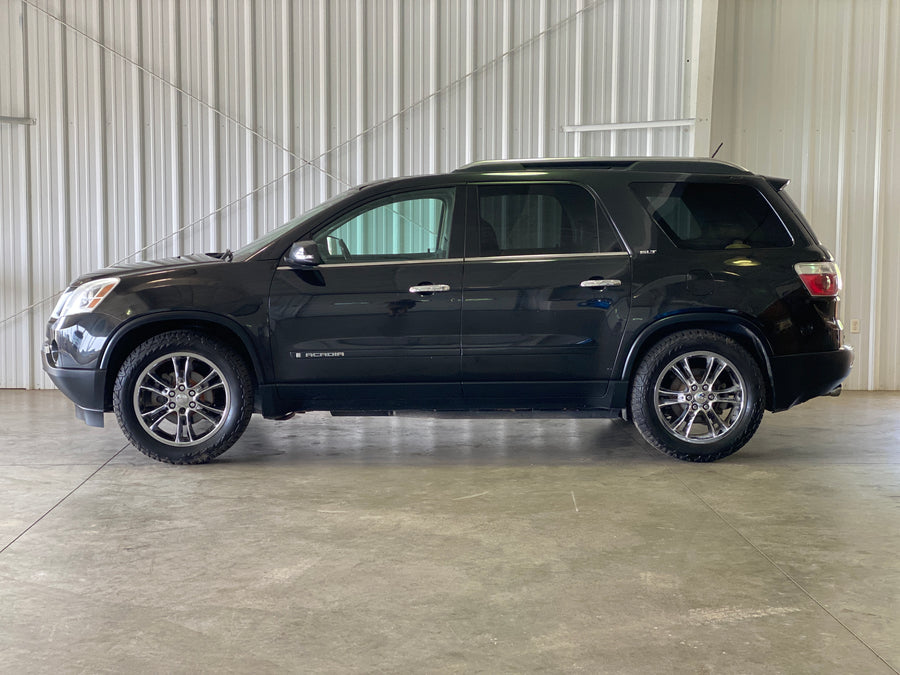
(698, 396)
(183, 398)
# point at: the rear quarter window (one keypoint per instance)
(713, 216)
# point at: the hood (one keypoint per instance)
(125, 269)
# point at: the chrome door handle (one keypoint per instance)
(429, 288)
(600, 283)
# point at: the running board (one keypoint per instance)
(509, 414)
(482, 414)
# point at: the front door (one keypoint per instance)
(545, 299)
(377, 323)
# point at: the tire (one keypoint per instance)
(162, 409)
(698, 396)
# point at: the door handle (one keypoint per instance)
(429, 288)
(600, 283)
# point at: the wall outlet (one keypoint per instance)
(854, 325)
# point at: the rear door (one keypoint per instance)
(546, 296)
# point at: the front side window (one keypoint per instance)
(713, 216)
(529, 219)
(412, 226)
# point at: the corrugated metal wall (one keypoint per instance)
(173, 126)
(808, 89)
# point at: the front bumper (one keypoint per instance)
(85, 387)
(800, 377)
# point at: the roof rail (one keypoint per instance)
(653, 164)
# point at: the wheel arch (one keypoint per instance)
(744, 331)
(133, 333)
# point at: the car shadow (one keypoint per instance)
(389, 441)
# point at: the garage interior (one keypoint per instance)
(134, 131)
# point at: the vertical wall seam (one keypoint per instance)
(471, 135)
(579, 76)
(105, 256)
(843, 117)
(141, 229)
(178, 152)
(777, 50)
(324, 92)
(649, 104)
(809, 133)
(67, 178)
(737, 135)
(28, 364)
(292, 137)
(542, 92)
(397, 85)
(614, 68)
(505, 29)
(434, 56)
(253, 109)
(361, 90)
(218, 173)
(877, 205)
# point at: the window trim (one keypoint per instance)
(538, 257)
(545, 257)
(373, 263)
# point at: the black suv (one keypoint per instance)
(686, 295)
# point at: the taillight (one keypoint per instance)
(822, 279)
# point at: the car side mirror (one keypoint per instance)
(304, 254)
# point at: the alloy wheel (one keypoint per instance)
(699, 396)
(181, 399)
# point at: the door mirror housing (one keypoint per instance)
(303, 254)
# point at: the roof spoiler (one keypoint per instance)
(778, 183)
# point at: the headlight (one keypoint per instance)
(84, 298)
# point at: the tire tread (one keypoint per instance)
(175, 340)
(664, 351)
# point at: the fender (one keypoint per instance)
(731, 321)
(185, 315)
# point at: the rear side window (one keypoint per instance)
(529, 219)
(713, 216)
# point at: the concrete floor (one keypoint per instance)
(411, 545)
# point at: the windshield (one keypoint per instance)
(258, 244)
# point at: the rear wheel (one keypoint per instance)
(183, 398)
(698, 396)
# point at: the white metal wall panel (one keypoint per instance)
(15, 253)
(808, 90)
(172, 126)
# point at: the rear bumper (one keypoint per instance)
(85, 387)
(800, 377)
